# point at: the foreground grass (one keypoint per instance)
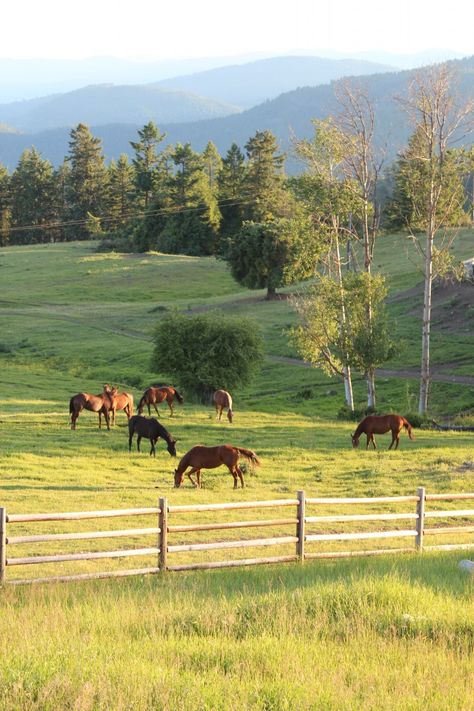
(391, 634)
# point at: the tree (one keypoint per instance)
(361, 165)
(190, 227)
(322, 342)
(4, 205)
(273, 253)
(120, 194)
(87, 181)
(232, 196)
(147, 162)
(264, 180)
(438, 120)
(325, 192)
(207, 351)
(33, 199)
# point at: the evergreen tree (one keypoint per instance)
(120, 196)
(4, 205)
(33, 199)
(87, 181)
(231, 195)
(265, 178)
(148, 163)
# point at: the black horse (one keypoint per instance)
(150, 428)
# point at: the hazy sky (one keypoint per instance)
(201, 28)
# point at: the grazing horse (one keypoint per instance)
(200, 457)
(120, 401)
(380, 424)
(223, 400)
(153, 396)
(152, 430)
(95, 403)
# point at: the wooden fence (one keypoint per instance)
(307, 531)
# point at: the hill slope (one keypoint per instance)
(250, 84)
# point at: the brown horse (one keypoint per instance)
(95, 403)
(200, 457)
(153, 396)
(223, 400)
(152, 430)
(120, 401)
(380, 424)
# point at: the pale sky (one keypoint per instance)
(156, 29)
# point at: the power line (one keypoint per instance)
(126, 216)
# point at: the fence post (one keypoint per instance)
(3, 543)
(420, 521)
(163, 536)
(300, 526)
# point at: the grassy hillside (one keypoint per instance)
(329, 634)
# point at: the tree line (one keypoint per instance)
(273, 229)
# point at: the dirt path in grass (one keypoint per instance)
(437, 374)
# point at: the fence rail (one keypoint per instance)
(304, 534)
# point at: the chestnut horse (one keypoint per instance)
(95, 403)
(380, 424)
(153, 396)
(152, 430)
(120, 401)
(223, 400)
(200, 457)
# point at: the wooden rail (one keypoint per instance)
(310, 528)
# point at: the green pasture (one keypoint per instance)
(388, 633)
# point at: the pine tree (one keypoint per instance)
(231, 195)
(148, 163)
(33, 200)
(4, 205)
(87, 181)
(265, 177)
(120, 195)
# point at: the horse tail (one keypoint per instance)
(179, 397)
(71, 405)
(408, 427)
(248, 454)
(130, 404)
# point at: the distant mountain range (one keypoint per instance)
(290, 113)
(247, 85)
(104, 104)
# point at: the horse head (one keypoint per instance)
(172, 446)
(178, 478)
(355, 441)
(230, 414)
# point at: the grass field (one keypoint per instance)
(392, 633)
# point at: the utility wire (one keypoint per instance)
(125, 216)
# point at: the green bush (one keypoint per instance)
(207, 351)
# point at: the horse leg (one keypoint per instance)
(369, 437)
(197, 471)
(153, 450)
(139, 439)
(130, 437)
(394, 436)
(107, 418)
(241, 476)
(74, 416)
(154, 405)
(170, 405)
(234, 474)
(373, 441)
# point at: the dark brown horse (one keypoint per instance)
(200, 457)
(95, 403)
(380, 424)
(153, 396)
(223, 401)
(120, 401)
(152, 430)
